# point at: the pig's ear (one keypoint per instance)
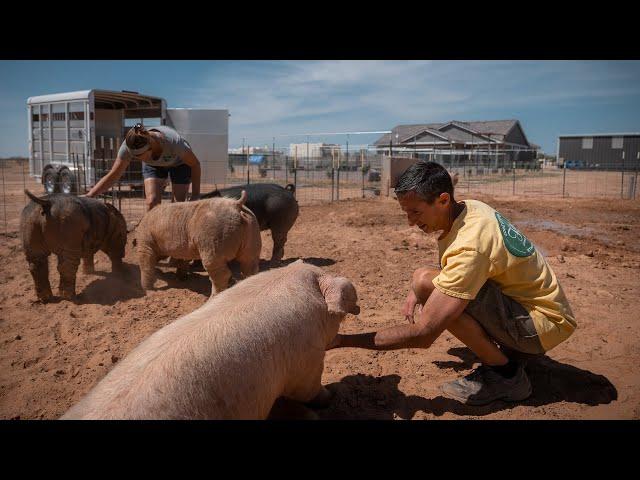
(333, 290)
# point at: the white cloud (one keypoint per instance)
(267, 98)
(272, 98)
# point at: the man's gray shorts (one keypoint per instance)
(505, 320)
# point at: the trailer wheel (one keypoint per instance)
(50, 180)
(67, 181)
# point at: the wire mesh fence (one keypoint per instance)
(320, 172)
(485, 176)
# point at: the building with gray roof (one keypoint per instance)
(495, 142)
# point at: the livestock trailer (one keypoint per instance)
(74, 137)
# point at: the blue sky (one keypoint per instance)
(273, 98)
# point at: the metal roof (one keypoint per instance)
(115, 99)
(631, 134)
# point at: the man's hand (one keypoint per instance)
(409, 307)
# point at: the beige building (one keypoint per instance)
(312, 150)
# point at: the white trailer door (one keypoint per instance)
(207, 131)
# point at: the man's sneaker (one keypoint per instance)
(484, 385)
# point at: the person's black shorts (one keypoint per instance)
(180, 175)
(505, 320)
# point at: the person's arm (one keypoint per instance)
(118, 168)
(189, 158)
(437, 313)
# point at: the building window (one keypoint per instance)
(616, 142)
(58, 116)
(587, 143)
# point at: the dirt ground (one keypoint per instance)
(51, 355)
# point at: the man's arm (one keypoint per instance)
(190, 159)
(118, 168)
(437, 313)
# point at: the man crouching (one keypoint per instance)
(494, 292)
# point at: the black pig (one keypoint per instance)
(275, 208)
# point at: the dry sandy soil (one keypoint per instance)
(52, 354)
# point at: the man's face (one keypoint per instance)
(427, 217)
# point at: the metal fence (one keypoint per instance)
(337, 173)
(316, 179)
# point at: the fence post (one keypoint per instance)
(635, 183)
(24, 184)
(103, 157)
(514, 178)
(273, 159)
(338, 179)
(119, 184)
(622, 178)
(74, 162)
(112, 158)
(333, 171)
(248, 166)
(295, 168)
(564, 175)
(84, 172)
(4, 194)
(362, 169)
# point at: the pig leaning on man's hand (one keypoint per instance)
(216, 230)
(72, 228)
(233, 357)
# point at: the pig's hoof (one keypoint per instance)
(45, 297)
(67, 294)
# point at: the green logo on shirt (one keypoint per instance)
(516, 242)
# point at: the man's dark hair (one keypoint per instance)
(427, 179)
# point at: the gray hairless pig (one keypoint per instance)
(216, 230)
(72, 228)
(263, 339)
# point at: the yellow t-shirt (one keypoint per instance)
(482, 245)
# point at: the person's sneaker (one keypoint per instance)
(484, 385)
